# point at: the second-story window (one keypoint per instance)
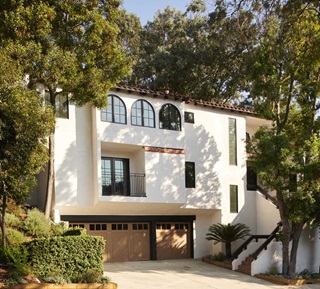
(115, 110)
(142, 114)
(169, 117)
(61, 107)
(232, 141)
(190, 175)
(115, 176)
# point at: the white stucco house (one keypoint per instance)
(152, 171)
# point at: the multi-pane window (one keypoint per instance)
(142, 114)
(233, 199)
(115, 110)
(188, 117)
(61, 105)
(232, 141)
(115, 176)
(190, 175)
(169, 117)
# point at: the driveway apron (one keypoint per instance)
(184, 274)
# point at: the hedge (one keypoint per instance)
(68, 257)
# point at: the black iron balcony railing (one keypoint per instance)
(114, 184)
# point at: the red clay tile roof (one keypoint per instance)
(153, 93)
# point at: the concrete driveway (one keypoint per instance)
(184, 274)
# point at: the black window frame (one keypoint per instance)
(172, 112)
(113, 186)
(188, 117)
(233, 150)
(143, 117)
(190, 175)
(61, 108)
(234, 206)
(111, 102)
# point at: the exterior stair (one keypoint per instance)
(245, 266)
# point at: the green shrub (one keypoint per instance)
(75, 231)
(12, 221)
(104, 280)
(58, 229)
(36, 224)
(15, 257)
(67, 257)
(218, 257)
(14, 236)
(90, 276)
(14, 279)
(55, 279)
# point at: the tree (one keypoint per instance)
(286, 89)
(24, 128)
(227, 234)
(207, 51)
(70, 47)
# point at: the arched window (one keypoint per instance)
(115, 110)
(170, 117)
(142, 114)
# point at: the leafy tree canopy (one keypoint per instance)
(24, 127)
(285, 88)
(70, 45)
(65, 46)
(194, 53)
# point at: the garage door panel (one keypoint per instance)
(131, 241)
(180, 243)
(164, 244)
(124, 241)
(119, 246)
(140, 246)
(172, 241)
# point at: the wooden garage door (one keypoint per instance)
(172, 241)
(124, 241)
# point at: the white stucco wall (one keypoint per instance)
(267, 215)
(83, 139)
(308, 256)
(165, 177)
(138, 135)
(268, 260)
(207, 144)
(73, 158)
(202, 247)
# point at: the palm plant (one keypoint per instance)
(227, 234)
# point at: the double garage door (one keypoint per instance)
(135, 241)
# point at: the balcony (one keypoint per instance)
(119, 184)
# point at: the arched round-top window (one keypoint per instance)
(142, 114)
(169, 117)
(115, 111)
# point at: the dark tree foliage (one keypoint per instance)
(66, 46)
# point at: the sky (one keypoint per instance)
(145, 9)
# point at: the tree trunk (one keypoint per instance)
(296, 233)
(228, 249)
(51, 178)
(2, 222)
(285, 250)
(286, 235)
